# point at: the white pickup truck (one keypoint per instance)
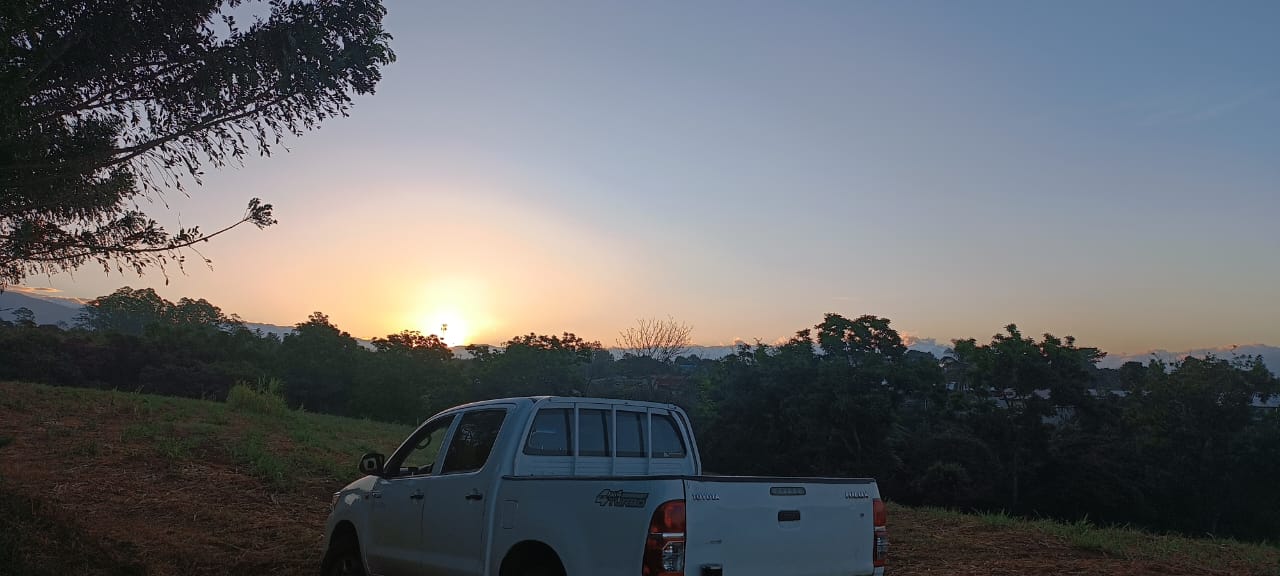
(551, 486)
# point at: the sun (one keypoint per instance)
(450, 325)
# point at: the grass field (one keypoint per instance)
(117, 483)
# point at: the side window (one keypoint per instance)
(424, 447)
(631, 433)
(473, 441)
(667, 442)
(550, 433)
(593, 432)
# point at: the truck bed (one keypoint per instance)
(748, 526)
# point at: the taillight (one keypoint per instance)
(880, 542)
(664, 546)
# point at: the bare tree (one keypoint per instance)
(662, 340)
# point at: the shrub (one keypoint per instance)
(264, 397)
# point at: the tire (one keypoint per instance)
(539, 571)
(343, 559)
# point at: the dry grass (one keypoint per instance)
(933, 541)
(169, 485)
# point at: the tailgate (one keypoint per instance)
(779, 526)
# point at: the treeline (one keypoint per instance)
(1016, 424)
(136, 340)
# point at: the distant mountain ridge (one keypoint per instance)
(45, 310)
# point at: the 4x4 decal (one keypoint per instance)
(622, 498)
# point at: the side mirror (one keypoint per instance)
(372, 463)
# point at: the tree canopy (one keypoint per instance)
(105, 103)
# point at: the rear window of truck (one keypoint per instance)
(631, 433)
(553, 429)
(593, 433)
(667, 442)
(550, 433)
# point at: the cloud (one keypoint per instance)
(930, 345)
(1229, 105)
(33, 290)
(1182, 108)
(48, 294)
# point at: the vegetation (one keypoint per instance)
(1018, 425)
(106, 103)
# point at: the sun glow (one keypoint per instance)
(449, 325)
(453, 308)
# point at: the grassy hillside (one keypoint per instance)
(115, 483)
(163, 485)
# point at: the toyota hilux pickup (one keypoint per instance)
(569, 486)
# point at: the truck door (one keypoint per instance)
(394, 535)
(454, 528)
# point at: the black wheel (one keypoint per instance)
(531, 559)
(343, 559)
(540, 571)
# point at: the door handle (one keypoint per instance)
(415, 496)
(475, 496)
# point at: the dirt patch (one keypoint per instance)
(36, 540)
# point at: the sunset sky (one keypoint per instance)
(1109, 170)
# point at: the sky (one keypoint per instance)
(1108, 170)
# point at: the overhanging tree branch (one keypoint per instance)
(102, 105)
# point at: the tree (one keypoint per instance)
(1038, 381)
(200, 312)
(532, 364)
(109, 102)
(126, 311)
(23, 316)
(413, 344)
(855, 340)
(662, 340)
(1194, 425)
(409, 378)
(319, 362)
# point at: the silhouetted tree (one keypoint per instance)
(103, 103)
(1036, 382)
(319, 362)
(409, 378)
(23, 316)
(1193, 423)
(413, 344)
(661, 340)
(532, 364)
(855, 340)
(125, 311)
